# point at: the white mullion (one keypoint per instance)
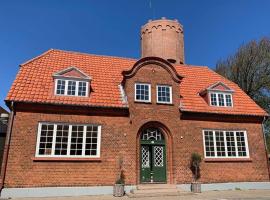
(69, 139)
(99, 142)
(225, 144)
(66, 87)
(246, 144)
(55, 86)
(76, 88)
(204, 146)
(215, 146)
(87, 89)
(170, 94)
(54, 139)
(38, 139)
(217, 98)
(235, 141)
(224, 98)
(149, 92)
(84, 140)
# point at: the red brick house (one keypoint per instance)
(75, 115)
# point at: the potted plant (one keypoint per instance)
(195, 168)
(118, 189)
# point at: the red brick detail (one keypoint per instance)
(119, 138)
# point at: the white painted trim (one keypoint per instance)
(76, 87)
(225, 141)
(164, 102)
(224, 97)
(138, 100)
(99, 141)
(38, 138)
(59, 191)
(60, 74)
(69, 141)
(228, 186)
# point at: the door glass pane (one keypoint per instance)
(158, 156)
(145, 157)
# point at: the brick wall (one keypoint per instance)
(120, 138)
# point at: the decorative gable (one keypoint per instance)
(218, 94)
(71, 82)
(71, 72)
(219, 86)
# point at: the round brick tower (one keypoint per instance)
(163, 38)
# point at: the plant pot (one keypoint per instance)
(118, 190)
(196, 187)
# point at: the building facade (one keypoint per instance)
(78, 119)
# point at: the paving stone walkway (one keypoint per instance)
(213, 195)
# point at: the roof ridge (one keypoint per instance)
(188, 65)
(37, 57)
(90, 54)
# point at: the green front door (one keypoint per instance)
(153, 157)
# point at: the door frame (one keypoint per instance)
(168, 148)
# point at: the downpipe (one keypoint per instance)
(6, 148)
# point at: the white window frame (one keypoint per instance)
(170, 88)
(224, 97)
(135, 93)
(69, 141)
(225, 144)
(76, 87)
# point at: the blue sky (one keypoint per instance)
(213, 29)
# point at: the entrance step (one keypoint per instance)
(154, 190)
(155, 186)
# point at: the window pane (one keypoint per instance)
(61, 84)
(164, 94)
(220, 99)
(230, 144)
(220, 144)
(46, 139)
(241, 145)
(76, 140)
(213, 99)
(228, 100)
(91, 141)
(142, 92)
(71, 88)
(209, 143)
(61, 140)
(82, 89)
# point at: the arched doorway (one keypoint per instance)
(152, 156)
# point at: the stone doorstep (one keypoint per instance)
(153, 190)
(155, 186)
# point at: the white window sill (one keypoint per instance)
(244, 159)
(72, 159)
(165, 103)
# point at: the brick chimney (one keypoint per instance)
(163, 38)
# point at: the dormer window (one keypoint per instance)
(220, 99)
(219, 95)
(71, 87)
(71, 82)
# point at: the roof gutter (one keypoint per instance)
(265, 145)
(6, 148)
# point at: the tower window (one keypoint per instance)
(142, 92)
(164, 94)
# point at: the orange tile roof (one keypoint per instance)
(34, 83)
